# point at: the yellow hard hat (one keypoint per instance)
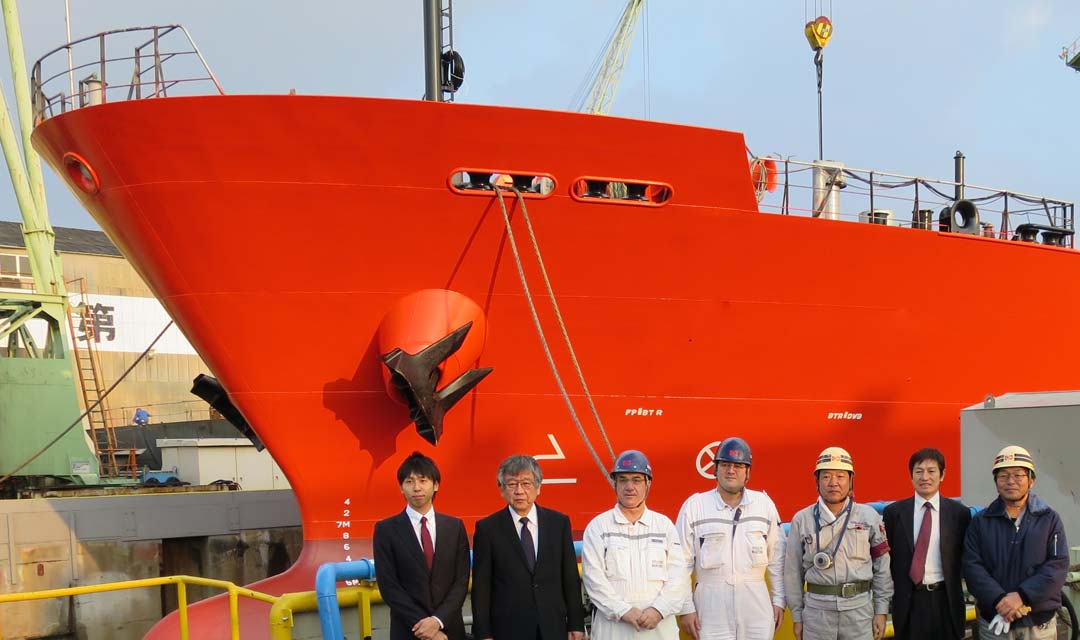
(1013, 456)
(834, 458)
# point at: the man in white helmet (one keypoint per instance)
(631, 562)
(731, 537)
(837, 551)
(1015, 555)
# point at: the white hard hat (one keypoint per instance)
(1013, 456)
(835, 458)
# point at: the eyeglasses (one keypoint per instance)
(525, 485)
(1016, 477)
(731, 465)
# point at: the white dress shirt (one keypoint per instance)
(534, 528)
(934, 572)
(414, 517)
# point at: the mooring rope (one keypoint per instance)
(562, 325)
(543, 338)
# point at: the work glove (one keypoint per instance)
(999, 625)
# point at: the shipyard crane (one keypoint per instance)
(37, 386)
(1071, 55)
(609, 69)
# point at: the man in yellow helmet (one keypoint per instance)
(838, 552)
(1015, 555)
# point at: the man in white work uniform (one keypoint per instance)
(631, 562)
(731, 537)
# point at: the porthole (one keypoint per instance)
(81, 174)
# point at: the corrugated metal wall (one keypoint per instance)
(161, 384)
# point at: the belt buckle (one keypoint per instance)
(933, 587)
(848, 590)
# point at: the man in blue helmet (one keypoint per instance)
(631, 562)
(731, 537)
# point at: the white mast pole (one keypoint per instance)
(71, 71)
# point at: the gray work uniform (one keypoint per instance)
(859, 582)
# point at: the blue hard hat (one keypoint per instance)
(632, 461)
(734, 450)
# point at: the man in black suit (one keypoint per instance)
(525, 576)
(422, 560)
(926, 533)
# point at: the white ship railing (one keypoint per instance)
(898, 198)
(122, 64)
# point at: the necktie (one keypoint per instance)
(425, 542)
(918, 560)
(527, 544)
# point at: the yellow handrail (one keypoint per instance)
(181, 583)
(281, 609)
(281, 614)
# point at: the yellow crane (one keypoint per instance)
(1071, 55)
(612, 62)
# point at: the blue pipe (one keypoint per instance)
(326, 579)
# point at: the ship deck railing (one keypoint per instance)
(163, 61)
(122, 64)
(898, 200)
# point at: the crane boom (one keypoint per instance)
(1071, 55)
(602, 93)
(26, 169)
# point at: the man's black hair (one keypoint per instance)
(929, 453)
(419, 464)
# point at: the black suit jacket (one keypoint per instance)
(509, 602)
(899, 527)
(407, 586)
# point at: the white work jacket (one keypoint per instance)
(728, 546)
(640, 564)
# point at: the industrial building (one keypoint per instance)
(127, 317)
(53, 539)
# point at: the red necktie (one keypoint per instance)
(918, 560)
(429, 548)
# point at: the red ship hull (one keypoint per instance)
(279, 230)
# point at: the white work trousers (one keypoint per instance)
(742, 611)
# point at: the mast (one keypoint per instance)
(432, 50)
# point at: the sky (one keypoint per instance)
(906, 83)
